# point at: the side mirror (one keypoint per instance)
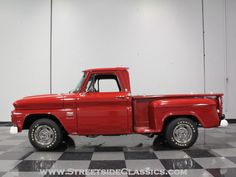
(72, 91)
(91, 85)
(91, 89)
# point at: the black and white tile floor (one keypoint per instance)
(216, 157)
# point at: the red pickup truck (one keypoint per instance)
(102, 104)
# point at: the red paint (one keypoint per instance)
(95, 113)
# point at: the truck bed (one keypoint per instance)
(144, 118)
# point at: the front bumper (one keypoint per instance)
(13, 130)
(17, 118)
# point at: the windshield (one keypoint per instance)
(77, 88)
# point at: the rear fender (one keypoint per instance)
(202, 109)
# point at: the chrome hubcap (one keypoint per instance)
(182, 133)
(44, 135)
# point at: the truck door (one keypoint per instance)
(103, 108)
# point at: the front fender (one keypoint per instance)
(68, 122)
(203, 109)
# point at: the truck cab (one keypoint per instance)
(102, 104)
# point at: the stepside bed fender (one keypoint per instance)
(202, 110)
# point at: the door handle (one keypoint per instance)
(120, 97)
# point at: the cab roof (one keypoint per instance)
(106, 69)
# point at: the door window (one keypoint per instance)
(103, 83)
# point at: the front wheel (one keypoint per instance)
(181, 133)
(45, 135)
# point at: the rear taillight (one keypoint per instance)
(220, 105)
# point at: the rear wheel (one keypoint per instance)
(181, 133)
(45, 134)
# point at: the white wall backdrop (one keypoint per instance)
(161, 41)
(215, 45)
(231, 57)
(24, 51)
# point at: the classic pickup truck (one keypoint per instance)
(102, 104)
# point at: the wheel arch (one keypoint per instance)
(173, 117)
(30, 119)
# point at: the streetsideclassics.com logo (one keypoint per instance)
(112, 172)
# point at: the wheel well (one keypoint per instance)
(30, 119)
(170, 118)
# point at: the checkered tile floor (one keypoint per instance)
(215, 157)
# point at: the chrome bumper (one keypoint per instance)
(13, 130)
(224, 123)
